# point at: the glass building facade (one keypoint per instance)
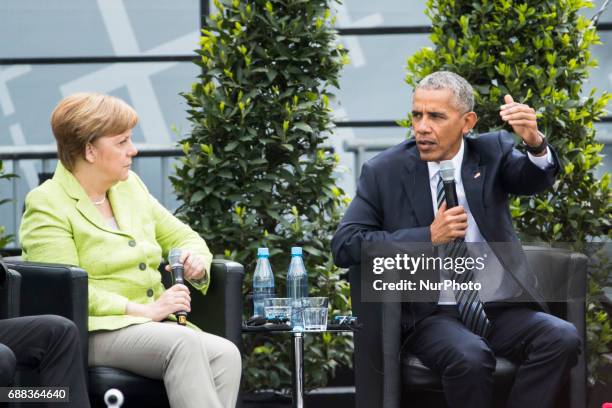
(141, 51)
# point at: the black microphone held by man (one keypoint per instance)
(447, 173)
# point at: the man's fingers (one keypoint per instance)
(455, 210)
(458, 234)
(458, 218)
(509, 107)
(516, 107)
(520, 122)
(508, 99)
(459, 225)
(519, 115)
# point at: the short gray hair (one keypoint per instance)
(461, 89)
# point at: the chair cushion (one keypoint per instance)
(137, 391)
(416, 376)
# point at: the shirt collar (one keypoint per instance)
(434, 167)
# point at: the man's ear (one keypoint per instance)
(469, 121)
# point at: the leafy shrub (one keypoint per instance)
(255, 172)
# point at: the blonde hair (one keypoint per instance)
(82, 118)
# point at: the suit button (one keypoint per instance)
(150, 292)
(132, 243)
(142, 266)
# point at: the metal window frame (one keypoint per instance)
(204, 12)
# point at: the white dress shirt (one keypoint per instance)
(472, 234)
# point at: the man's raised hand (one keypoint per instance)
(523, 120)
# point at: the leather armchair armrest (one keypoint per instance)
(562, 280)
(562, 275)
(10, 287)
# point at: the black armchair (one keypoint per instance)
(10, 287)
(387, 378)
(62, 290)
(10, 284)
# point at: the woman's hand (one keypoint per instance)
(193, 265)
(171, 301)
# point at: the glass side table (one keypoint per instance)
(297, 355)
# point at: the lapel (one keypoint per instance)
(474, 184)
(121, 208)
(84, 205)
(416, 185)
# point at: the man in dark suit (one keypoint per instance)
(399, 199)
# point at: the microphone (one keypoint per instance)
(174, 259)
(447, 173)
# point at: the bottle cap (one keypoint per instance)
(263, 252)
(296, 251)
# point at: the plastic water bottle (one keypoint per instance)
(263, 281)
(297, 287)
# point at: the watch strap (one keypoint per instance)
(536, 149)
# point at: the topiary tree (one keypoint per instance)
(537, 51)
(255, 171)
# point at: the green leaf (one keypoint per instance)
(303, 127)
(197, 197)
(231, 146)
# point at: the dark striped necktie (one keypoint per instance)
(469, 304)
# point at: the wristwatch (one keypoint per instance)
(535, 150)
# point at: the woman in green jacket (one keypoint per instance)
(97, 214)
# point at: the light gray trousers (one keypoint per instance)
(199, 369)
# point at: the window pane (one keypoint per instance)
(601, 77)
(152, 89)
(381, 13)
(372, 86)
(70, 28)
(606, 16)
(402, 13)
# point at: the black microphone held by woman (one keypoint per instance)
(174, 259)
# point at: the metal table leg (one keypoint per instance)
(298, 370)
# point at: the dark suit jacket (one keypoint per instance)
(393, 203)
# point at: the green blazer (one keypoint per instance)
(61, 225)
